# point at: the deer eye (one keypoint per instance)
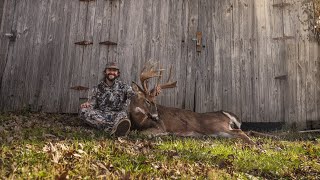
(148, 103)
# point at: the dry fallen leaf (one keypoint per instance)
(77, 155)
(80, 151)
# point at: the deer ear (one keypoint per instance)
(137, 89)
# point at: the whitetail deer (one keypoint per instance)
(154, 119)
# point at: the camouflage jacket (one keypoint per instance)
(110, 98)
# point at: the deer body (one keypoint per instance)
(183, 122)
(153, 119)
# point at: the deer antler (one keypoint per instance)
(166, 85)
(148, 72)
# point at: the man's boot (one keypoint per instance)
(122, 128)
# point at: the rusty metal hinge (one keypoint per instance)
(108, 43)
(281, 5)
(198, 40)
(79, 88)
(84, 43)
(283, 38)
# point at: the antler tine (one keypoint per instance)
(147, 73)
(158, 80)
(167, 85)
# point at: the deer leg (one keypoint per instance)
(240, 134)
(154, 132)
(188, 134)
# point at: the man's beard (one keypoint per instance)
(111, 79)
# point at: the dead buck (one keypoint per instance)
(154, 119)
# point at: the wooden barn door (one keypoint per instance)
(96, 42)
(36, 68)
(8, 22)
(16, 47)
(239, 65)
(215, 64)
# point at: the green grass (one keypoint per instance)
(53, 146)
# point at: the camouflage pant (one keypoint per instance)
(100, 119)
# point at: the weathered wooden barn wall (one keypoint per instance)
(1, 11)
(256, 59)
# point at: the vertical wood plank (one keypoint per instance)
(77, 59)
(87, 59)
(164, 45)
(47, 61)
(130, 20)
(301, 68)
(6, 48)
(178, 31)
(312, 82)
(2, 5)
(193, 18)
(15, 61)
(236, 49)
(217, 65)
(57, 47)
(268, 85)
(246, 28)
(105, 36)
(113, 31)
(155, 45)
(95, 71)
(291, 57)
(184, 55)
(62, 39)
(225, 53)
(35, 77)
(206, 58)
(261, 55)
(170, 39)
(317, 81)
(67, 45)
(52, 48)
(134, 45)
(30, 60)
(278, 89)
(200, 62)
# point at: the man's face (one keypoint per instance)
(111, 74)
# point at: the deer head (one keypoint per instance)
(145, 101)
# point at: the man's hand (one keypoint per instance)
(85, 105)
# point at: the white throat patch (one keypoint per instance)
(139, 110)
(232, 119)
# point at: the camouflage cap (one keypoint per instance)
(112, 65)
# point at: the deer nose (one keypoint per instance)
(155, 117)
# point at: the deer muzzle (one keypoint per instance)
(154, 117)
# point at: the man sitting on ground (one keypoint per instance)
(107, 105)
